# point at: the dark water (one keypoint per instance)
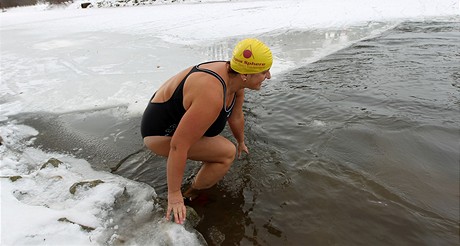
(359, 148)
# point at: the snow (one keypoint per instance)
(69, 59)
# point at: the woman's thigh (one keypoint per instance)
(207, 149)
(213, 149)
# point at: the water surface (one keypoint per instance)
(358, 148)
(361, 147)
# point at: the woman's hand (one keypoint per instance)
(176, 206)
(242, 147)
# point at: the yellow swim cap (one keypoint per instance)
(251, 56)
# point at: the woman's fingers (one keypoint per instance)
(168, 213)
(176, 216)
(242, 147)
(179, 212)
(184, 214)
(176, 207)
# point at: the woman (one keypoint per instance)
(188, 112)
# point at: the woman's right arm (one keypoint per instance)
(204, 109)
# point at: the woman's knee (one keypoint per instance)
(158, 145)
(230, 153)
(213, 150)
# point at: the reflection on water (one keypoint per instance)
(294, 48)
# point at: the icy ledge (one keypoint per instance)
(56, 199)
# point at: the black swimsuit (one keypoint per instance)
(162, 119)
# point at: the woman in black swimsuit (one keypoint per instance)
(185, 116)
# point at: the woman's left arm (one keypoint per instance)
(236, 122)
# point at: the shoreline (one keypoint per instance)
(98, 136)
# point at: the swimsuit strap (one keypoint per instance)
(222, 81)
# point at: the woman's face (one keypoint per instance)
(254, 81)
